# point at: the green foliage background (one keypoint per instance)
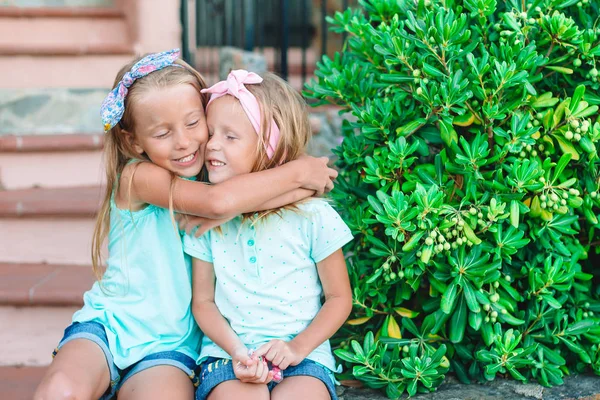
(470, 179)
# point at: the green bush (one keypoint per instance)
(470, 177)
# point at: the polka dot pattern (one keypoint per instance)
(267, 281)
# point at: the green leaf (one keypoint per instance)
(432, 71)
(448, 298)
(470, 296)
(580, 327)
(458, 322)
(562, 70)
(560, 166)
(448, 133)
(567, 147)
(577, 96)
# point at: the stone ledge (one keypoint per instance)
(582, 387)
(65, 50)
(20, 383)
(44, 284)
(39, 143)
(60, 12)
(71, 202)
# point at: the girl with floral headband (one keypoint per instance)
(135, 333)
(258, 279)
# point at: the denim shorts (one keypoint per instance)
(214, 371)
(95, 332)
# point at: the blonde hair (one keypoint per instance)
(281, 103)
(118, 150)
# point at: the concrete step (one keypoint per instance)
(44, 284)
(61, 71)
(52, 226)
(19, 383)
(43, 31)
(58, 3)
(51, 161)
(32, 335)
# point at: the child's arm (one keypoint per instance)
(216, 327)
(244, 193)
(187, 222)
(338, 304)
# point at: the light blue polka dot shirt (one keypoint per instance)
(267, 284)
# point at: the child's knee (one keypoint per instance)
(58, 386)
(236, 389)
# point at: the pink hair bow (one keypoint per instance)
(234, 86)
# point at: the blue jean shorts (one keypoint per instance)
(95, 332)
(214, 371)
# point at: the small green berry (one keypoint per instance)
(568, 135)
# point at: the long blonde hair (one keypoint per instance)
(281, 103)
(118, 151)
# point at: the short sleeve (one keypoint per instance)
(198, 247)
(328, 231)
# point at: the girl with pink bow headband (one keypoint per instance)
(259, 278)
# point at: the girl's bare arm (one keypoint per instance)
(338, 304)
(245, 193)
(206, 313)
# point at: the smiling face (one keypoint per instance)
(232, 146)
(170, 128)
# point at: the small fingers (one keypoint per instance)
(278, 359)
(284, 364)
(332, 173)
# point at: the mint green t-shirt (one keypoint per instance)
(145, 295)
(267, 284)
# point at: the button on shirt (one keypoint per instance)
(267, 284)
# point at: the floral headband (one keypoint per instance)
(113, 106)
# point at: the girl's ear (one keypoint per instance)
(132, 141)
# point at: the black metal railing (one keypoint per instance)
(281, 27)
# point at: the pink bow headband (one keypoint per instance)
(234, 86)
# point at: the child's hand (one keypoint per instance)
(250, 369)
(318, 176)
(280, 353)
(187, 223)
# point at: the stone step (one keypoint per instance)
(44, 284)
(60, 71)
(51, 161)
(63, 31)
(32, 335)
(62, 12)
(19, 383)
(52, 226)
(58, 3)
